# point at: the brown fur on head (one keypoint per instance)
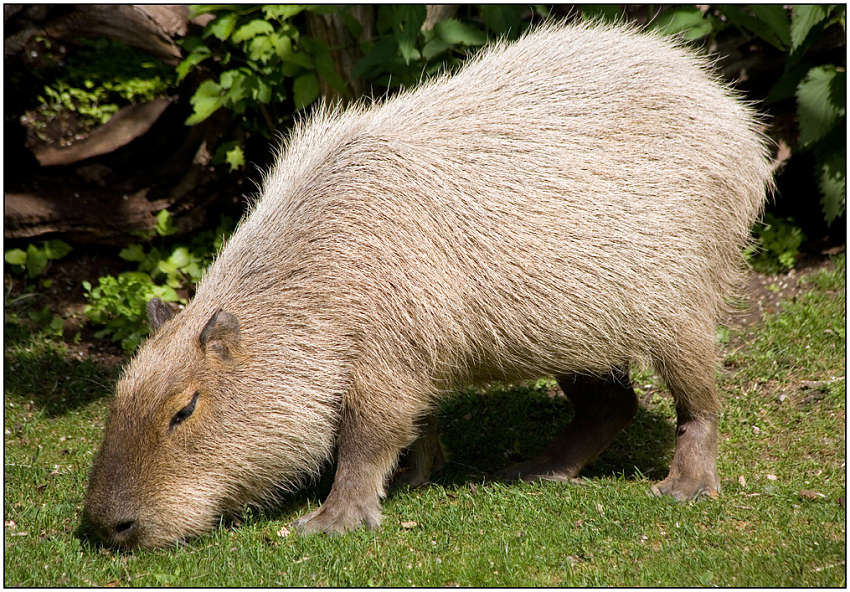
(181, 446)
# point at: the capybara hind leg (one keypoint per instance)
(603, 407)
(693, 471)
(423, 457)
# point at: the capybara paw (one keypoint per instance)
(409, 477)
(332, 519)
(683, 488)
(535, 470)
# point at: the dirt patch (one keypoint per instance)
(65, 297)
(765, 292)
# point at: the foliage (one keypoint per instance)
(403, 53)
(261, 65)
(257, 62)
(819, 89)
(100, 77)
(117, 303)
(777, 244)
(35, 259)
(779, 519)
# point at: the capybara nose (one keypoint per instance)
(122, 532)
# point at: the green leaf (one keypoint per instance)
(197, 56)
(786, 86)
(56, 325)
(324, 64)
(261, 48)
(503, 19)
(747, 22)
(235, 83)
(803, 19)
(198, 9)
(281, 12)
(133, 252)
(261, 91)
(252, 29)
(817, 109)
(167, 267)
(434, 48)
(222, 26)
(206, 100)
(454, 32)
(305, 89)
(376, 59)
(352, 24)
(776, 19)
(407, 22)
(15, 257)
(179, 257)
(687, 20)
(165, 293)
(235, 158)
(283, 47)
(56, 249)
(832, 183)
(36, 261)
(165, 223)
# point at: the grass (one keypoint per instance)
(782, 432)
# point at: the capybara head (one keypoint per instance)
(191, 436)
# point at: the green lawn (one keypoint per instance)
(782, 432)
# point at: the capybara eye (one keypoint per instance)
(181, 415)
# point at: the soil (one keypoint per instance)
(65, 296)
(766, 291)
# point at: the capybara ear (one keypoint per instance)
(220, 336)
(158, 313)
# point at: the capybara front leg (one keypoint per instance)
(372, 433)
(603, 407)
(363, 461)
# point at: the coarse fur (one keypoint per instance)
(566, 204)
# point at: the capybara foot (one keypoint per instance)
(536, 469)
(336, 518)
(683, 488)
(424, 457)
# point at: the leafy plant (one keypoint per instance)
(35, 259)
(777, 245)
(100, 77)
(259, 63)
(117, 303)
(403, 52)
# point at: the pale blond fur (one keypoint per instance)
(568, 203)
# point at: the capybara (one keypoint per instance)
(566, 205)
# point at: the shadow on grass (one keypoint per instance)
(38, 368)
(485, 432)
